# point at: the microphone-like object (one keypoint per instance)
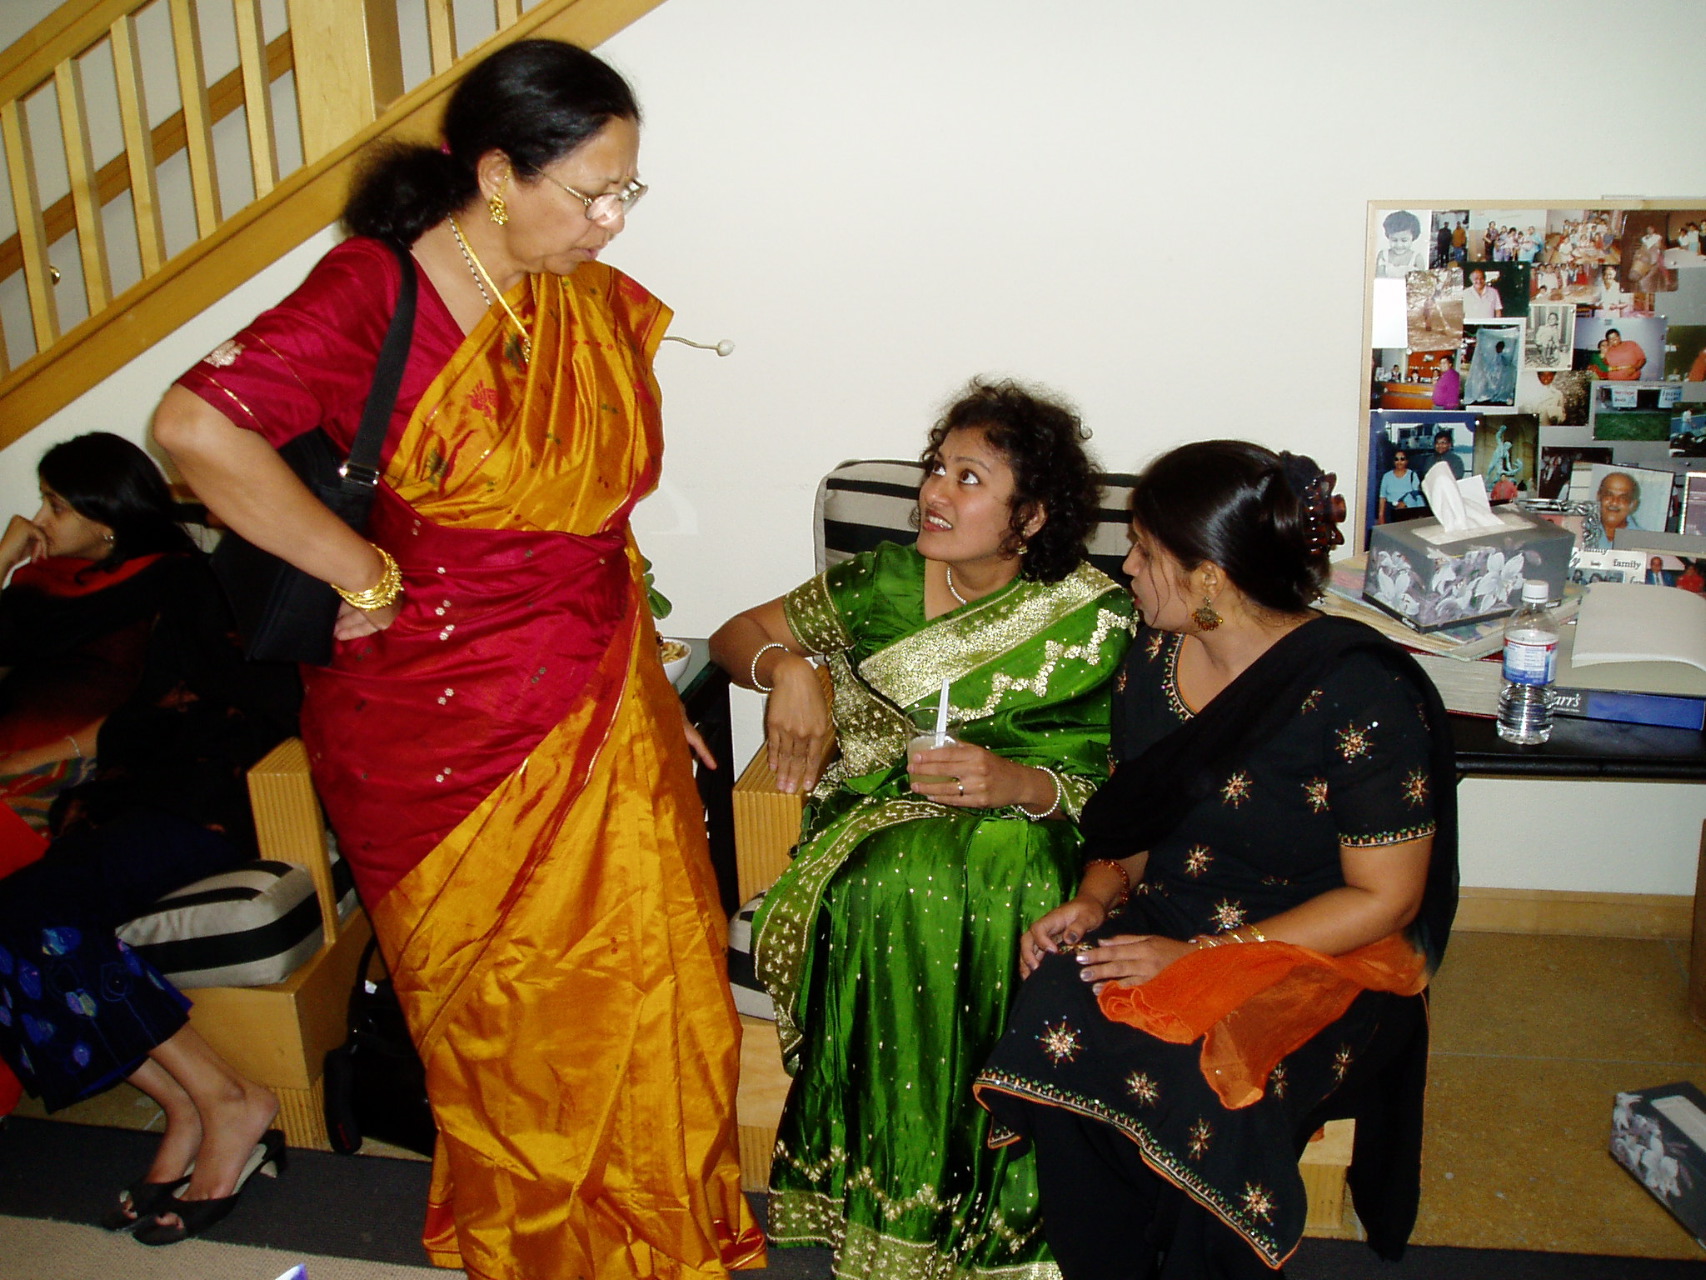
(723, 348)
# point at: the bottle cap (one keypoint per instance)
(1535, 591)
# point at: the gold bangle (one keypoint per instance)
(1260, 936)
(381, 593)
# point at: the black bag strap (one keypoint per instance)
(358, 991)
(362, 468)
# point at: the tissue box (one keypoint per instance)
(1430, 579)
(1659, 1135)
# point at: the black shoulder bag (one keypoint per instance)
(375, 1084)
(284, 614)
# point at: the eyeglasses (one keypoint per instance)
(608, 208)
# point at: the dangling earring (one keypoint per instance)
(500, 210)
(1023, 547)
(1206, 618)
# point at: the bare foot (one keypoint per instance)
(231, 1126)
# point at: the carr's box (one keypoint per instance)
(1659, 1135)
(1429, 579)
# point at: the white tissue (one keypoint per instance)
(1460, 506)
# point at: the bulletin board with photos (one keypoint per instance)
(1559, 353)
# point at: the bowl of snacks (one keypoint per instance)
(673, 654)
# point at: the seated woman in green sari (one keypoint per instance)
(889, 944)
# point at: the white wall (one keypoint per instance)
(1159, 212)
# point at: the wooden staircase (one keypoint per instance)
(87, 72)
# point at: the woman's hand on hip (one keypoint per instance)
(354, 623)
(1129, 959)
(1065, 926)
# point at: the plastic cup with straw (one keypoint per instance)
(937, 738)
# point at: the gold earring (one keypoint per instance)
(1206, 618)
(500, 210)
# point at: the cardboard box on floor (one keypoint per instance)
(1659, 1135)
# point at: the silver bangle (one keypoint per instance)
(1059, 794)
(75, 745)
(753, 673)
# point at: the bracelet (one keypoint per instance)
(753, 673)
(1125, 880)
(381, 593)
(1221, 939)
(75, 745)
(1059, 794)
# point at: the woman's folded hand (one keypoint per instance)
(1129, 959)
(1064, 927)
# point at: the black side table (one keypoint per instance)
(704, 689)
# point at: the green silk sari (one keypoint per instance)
(891, 943)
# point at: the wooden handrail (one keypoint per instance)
(223, 97)
(255, 237)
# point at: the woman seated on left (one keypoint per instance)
(87, 575)
(890, 944)
(167, 806)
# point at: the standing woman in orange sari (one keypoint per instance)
(499, 751)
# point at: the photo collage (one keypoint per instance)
(1559, 354)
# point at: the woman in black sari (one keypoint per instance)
(1269, 879)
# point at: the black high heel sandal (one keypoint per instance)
(141, 1200)
(196, 1216)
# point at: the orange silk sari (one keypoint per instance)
(507, 771)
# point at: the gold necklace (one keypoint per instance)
(478, 270)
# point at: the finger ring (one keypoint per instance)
(961, 784)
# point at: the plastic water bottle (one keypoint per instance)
(1531, 660)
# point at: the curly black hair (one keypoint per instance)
(1042, 440)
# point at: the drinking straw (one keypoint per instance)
(942, 715)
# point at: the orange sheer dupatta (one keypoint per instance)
(1254, 1003)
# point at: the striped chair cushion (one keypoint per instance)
(750, 996)
(243, 928)
(862, 503)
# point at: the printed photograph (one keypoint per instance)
(1620, 350)
(1433, 309)
(1685, 353)
(1670, 569)
(1556, 399)
(1549, 337)
(1495, 290)
(1574, 284)
(1683, 236)
(1694, 503)
(1643, 252)
(1628, 497)
(1507, 235)
(1557, 462)
(1402, 448)
(1583, 237)
(1617, 300)
(1489, 357)
(1450, 241)
(1589, 565)
(1688, 435)
(1403, 245)
(1507, 449)
(1635, 410)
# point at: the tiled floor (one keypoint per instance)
(1532, 1037)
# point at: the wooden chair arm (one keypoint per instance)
(289, 825)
